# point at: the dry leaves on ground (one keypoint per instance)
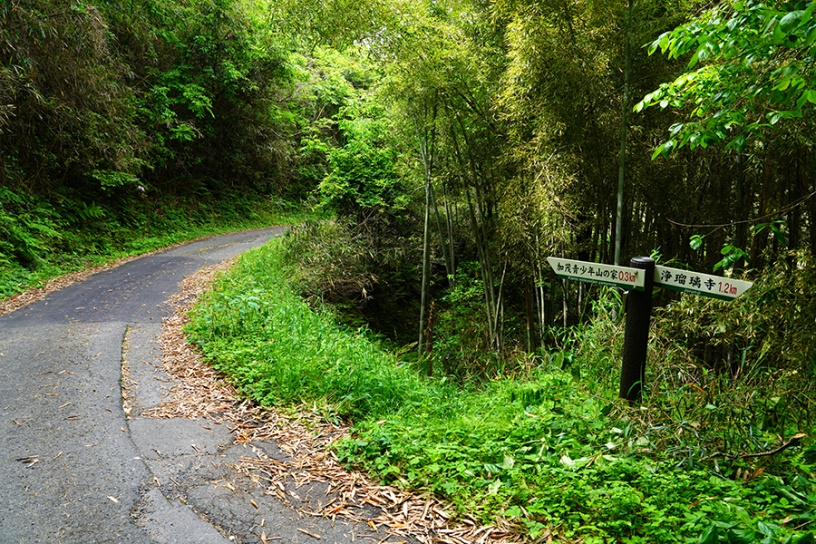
(306, 439)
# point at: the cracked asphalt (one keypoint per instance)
(74, 469)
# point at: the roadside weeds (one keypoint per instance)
(305, 438)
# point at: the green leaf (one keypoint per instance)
(653, 47)
(109, 179)
(710, 535)
(782, 85)
(696, 242)
(767, 529)
(694, 59)
(811, 36)
(567, 461)
(740, 536)
(664, 149)
(739, 143)
(791, 20)
(778, 234)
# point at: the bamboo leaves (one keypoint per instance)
(749, 69)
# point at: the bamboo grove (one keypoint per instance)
(458, 143)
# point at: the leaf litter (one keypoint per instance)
(199, 392)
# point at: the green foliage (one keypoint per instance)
(109, 179)
(182, 96)
(363, 177)
(361, 270)
(275, 349)
(339, 23)
(334, 264)
(29, 228)
(547, 450)
(461, 347)
(212, 106)
(746, 336)
(328, 80)
(754, 72)
(124, 126)
(40, 239)
(66, 111)
(774, 226)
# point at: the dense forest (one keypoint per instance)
(447, 148)
(475, 138)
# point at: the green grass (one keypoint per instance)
(277, 350)
(554, 450)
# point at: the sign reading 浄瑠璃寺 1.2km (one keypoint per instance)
(695, 283)
(623, 277)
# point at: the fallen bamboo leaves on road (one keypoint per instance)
(306, 441)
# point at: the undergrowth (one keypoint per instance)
(43, 238)
(554, 450)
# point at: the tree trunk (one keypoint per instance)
(812, 217)
(486, 277)
(425, 141)
(426, 258)
(624, 121)
(442, 238)
(449, 225)
(742, 211)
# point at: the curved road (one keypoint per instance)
(73, 469)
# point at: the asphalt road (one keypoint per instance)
(73, 469)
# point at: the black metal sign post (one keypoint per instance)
(636, 335)
(639, 279)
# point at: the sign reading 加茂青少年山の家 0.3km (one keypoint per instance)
(603, 274)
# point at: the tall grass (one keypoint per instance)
(278, 350)
(555, 450)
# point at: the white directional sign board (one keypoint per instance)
(695, 283)
(623, 277)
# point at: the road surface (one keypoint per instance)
(74, 469)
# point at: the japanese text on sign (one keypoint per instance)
(699, 284)
(612, 276)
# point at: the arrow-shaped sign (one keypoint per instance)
(638, 313)
(695, 283)
(623, 277)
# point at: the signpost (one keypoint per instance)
(638, 279)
